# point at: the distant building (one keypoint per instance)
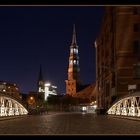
(35, 100)
(87, 93)
(46, 89)
(32, 99)
(10, 89)
(73, 81)
(74, 87)
(49, 90)
(118, 54)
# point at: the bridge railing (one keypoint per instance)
(127, 106)
(10, 106)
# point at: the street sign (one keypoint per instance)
(132, 87)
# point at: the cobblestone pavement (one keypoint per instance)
(69, 124)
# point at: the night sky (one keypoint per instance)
(30, 36)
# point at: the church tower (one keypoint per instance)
(40, 83)
(73, 69)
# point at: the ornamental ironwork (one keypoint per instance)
(10, 106)
(126, 106)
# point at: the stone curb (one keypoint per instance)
(11, 117)
(125, 117)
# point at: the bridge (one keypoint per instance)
(10, 106)
(126, 106)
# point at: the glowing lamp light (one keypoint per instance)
(84, 108)
(95, 106)
(47, 84)
(54, 86)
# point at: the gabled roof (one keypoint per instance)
(86, 92)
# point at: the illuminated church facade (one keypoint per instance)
(74, 86)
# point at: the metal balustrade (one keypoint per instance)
(127, 106)
(10, 107)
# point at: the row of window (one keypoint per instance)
(74, 62)
(74, 50)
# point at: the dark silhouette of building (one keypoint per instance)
(118, 54)
(34, 100)
(40, 82)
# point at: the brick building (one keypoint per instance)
(74, 86)
(118, 54)
(10, 89)
(73, 82)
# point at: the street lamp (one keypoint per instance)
(47, 86)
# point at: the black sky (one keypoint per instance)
(30, 36)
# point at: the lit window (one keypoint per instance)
(74, 61)
(75, 51)
(71, 51)
(77, 62)
(70, 61)
(84, 108)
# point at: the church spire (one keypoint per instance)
(40, 74)
(40, 83)
(73, 80)
(73, 36)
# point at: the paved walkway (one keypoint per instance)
(56, 123)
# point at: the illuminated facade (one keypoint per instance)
(49, 90)
(46, 89)
(10, 89)
(73, 69)
(11, 100)
(33, 99)
(118, 54)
